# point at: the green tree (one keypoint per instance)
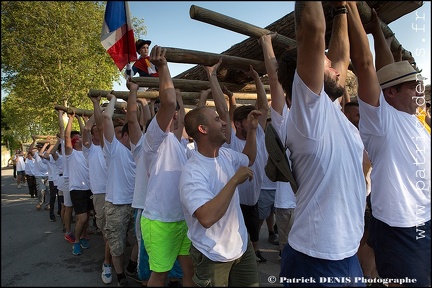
(51, 54)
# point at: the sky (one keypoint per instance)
(169, 24)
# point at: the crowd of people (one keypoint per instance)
(192, 187)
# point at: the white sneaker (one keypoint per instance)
(106, 274)
(19, 186)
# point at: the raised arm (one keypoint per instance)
(203, 97)
(145, 114)
(261, 103)
(107, 123)
(80, 123)
(180, 114)
(339, 46)
(276, 91)
(361, 58)
(250, 148)
(31, 147)
(97, 113)
(87, 136)
(51, 143)
(383, 54)
(61, 121)
(232, 103)
(68, 130)
(310, 31)
(167, 94)
(218, 98)
(135, 132)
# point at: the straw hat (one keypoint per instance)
(397, 73)
(277, 167)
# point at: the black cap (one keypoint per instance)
(139, 43)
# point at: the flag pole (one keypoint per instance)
(128, 66)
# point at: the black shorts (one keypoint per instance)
(82, 201)
(251, 218)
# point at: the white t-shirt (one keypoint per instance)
(399, 148)
(141, 181)
(78, 171)
(41, 169)
(30, 167)
(20, 163)
(201, 180)
(53, 171)
(97, 168)
(63, 183)
(285, 197)
(249, 191)
(326, 154)
(121, 170)
(165, 157)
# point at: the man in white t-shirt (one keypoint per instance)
(79, 185)
(326, 153)
(221, 250)
(92, 150)
(165, 156)
(20, 167)
(120, 184)
(136, 126)
(399, 147)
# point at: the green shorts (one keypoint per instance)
(164, 241)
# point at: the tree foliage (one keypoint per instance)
(51, 54)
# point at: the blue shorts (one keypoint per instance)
(402, 252)
(301, 270)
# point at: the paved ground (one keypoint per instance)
(34, 253)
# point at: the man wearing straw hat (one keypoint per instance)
(399, 148)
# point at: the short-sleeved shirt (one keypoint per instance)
(121, 170)
(201, 180)
(249, 191)
(164, 156)
(141, 181)
(399, 148)
(284, 197)
(97, 168)
(78, 171)
(326, 155)
(20, 163)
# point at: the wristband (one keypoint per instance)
(339, 10)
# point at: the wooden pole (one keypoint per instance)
(209, 59)
(151, 95)
(365, 15)
(223, 21)
(195, 85)
(43, 136)
(83, 112)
